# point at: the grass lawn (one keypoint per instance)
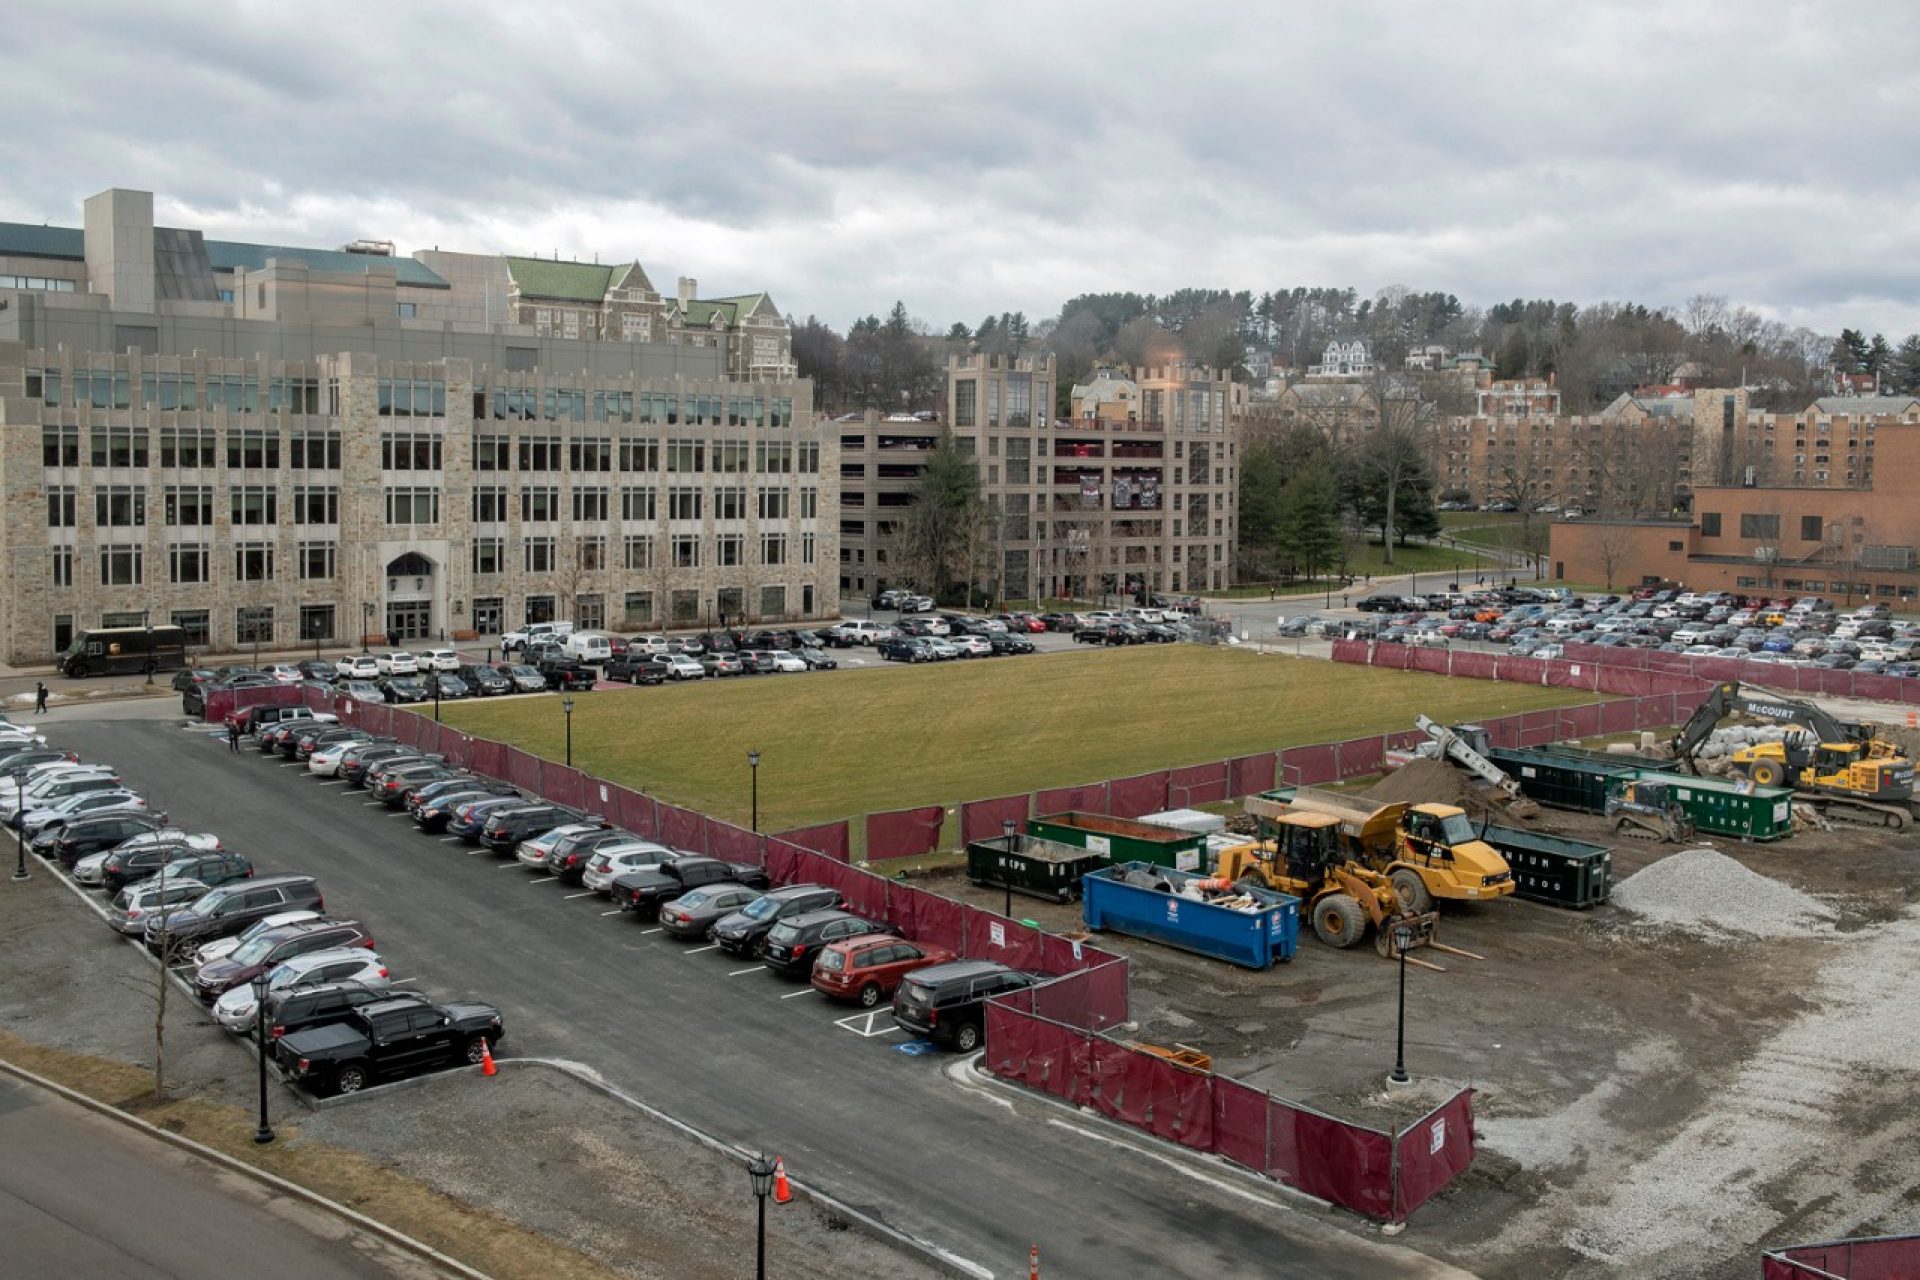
(837, 745)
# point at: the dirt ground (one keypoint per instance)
(1650, 1102)
(618, 1193)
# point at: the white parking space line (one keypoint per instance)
(402, 814)
(297, 764)
(759, 968)
(866, 1030)
(587, 894)
(545, 880)
(644, 932)
(449, 839)
(401, 982)
(336, 782)
(515, 865)
(795, 995)
(697, 950)
(614, 912)
(474, 853)
(372, 804)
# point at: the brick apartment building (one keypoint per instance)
(294, 445)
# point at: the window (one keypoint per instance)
(288, 395)
(195, 622)
(595, 454)
(61, 503)
(685, 456)
(639, 455)
(253, 625)
(590, 555)
(731, 456)
(638, 608)
(773, 457)
(613, 406)
(639, 504)
(190, 563)
(317, 563)
(253, 562)
(809, 457)
(773, 548)
(686, 552)
(253, 450)
(187, 447)
(490, 505)
(63, 566)
(590, 504)
(809, 504)
(539, 555)
(1812, 529)
(539, 505)
(773, 602)
(413, 398)
(405, 311)
(1759, 526)
(119, 506)
(782, 412)
(1709, 524)
(638, 553)
(491, 453)
(119, 446)
(540, 453)
(314, 450)
(729, 549)
(773, 504)
(489, 555)
(1676, 546)
(729, 504)
(410, 451)
(60, 447)
(316, 504)
(660, 408)
(966, 399)
(683, 504)
(413, 506)
(316, 620)
(254, 504)
(808, 552)
(123, 566)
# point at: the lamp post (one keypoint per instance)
(20, 871)
(760, 1172)
(366, 623)
(263, 1134)
(1402, 938)
(566, 705)
(753, 765)
(146, 618)
(436, 699)
(1006, 871)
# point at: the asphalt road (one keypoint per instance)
(734, 1050)
(82, 1195)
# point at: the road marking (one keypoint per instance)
(645, 932)
(866, 1029)
(759, 968)
(795, 995)
(586, 894)
(614, 912)
(474, 853)
(337, 782)
(401, 982)
(697, 950)
(297, 764)
(515, 865)
(402, 814)
(544, 880)
(373, 804)
(449, 839)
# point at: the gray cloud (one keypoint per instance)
(974, 157)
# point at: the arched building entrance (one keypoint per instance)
(411, 592)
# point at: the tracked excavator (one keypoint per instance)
(1842, 768)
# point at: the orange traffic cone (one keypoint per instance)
(1033, 1264)
(486, 1059)
(782, 1193)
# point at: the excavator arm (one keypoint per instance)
(1727, 698)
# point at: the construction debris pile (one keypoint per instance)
(1214, 892)
(1703, 890)
(1426, 781)
(1726, 740)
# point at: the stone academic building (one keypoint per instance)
(291, 446)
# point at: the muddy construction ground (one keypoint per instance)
(1653, 1098)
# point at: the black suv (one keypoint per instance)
(84, 837)
(509, 826)
(484, 681)
(743, 931)
(183, 862)
(231, 908)
(793, 944)
(947, 1002)
(326, 1003)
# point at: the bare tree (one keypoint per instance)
(1612, 546)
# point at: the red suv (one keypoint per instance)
(867, 969)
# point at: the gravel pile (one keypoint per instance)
(1703, 889)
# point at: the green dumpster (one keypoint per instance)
(1123, 839)
(1568, 778)
(1566, 873)
(1727, 808)
(1032, 865)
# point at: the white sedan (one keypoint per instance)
(972, 646)
(360, 667)
(680, 667)
(325, 760)
(236, 1011)
(785, 661)
(439, 660)
(533, 852)
(284, 672)
(221, 948)
(397, 663)
(70, 807)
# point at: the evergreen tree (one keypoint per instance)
(1879, 356)
(941, 526)
(1263, 481)
(1904, 371)
(1310, 533)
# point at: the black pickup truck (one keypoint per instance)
(385, 1039)
(566, 674)
(644, 891)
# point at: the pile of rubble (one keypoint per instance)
(1705, 891)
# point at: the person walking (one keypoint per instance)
(233, 736)
(39, 698)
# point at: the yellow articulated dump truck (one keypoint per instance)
(1428, 852)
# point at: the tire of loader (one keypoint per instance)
(1338, 921)
(1764, 773)
(1411, 890)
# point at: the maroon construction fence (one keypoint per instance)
(1868, 1258)
(1772, 675)
(1044, 1039)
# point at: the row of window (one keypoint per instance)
(171, 392)
(125, 564)
(660, 408)
(1763, 525)
(602, 453)
(542, 554)
(188, 447)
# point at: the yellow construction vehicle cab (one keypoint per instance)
(1429, 851)
(1307, 858)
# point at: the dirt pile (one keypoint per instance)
(1703, 890)
(1428, 781)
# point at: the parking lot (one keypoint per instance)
(724, 1045)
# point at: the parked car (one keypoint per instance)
(469, 816)
(220, 948)
(60, 812)
(486, 682)
(718, 663)
(610, 862)
(231, 908)
(355, 765)
(238, 1011)
(437, 660)
(358, 667)
(533, 851)
(397, 662)
(867, 968)
(190, 676)
(567, 860)
(130, 907)
(636, 666)
(300, 1006)
(946, 1003)
(83, 837)
(792, 944)
(398, 784)
(508, 826)
(642, 891)
(567, 674)
(403, 689)
(744, 930)
(211, 867)
(258, 955)
(525, 678)
(693, 913)
(816, 658)
(387, 1039)
(905, 649)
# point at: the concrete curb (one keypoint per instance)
(452, 1266)
(932, 1254)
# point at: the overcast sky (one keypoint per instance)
(973, 158)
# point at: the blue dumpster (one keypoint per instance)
(1144, 900)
